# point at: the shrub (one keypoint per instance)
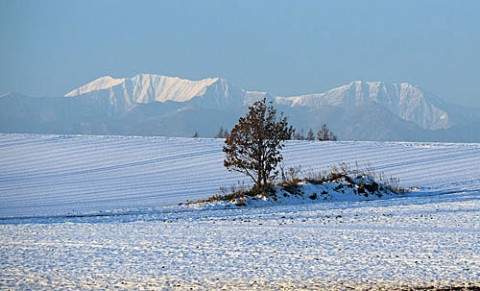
(241, 202)
(235, 195)
(290, 174)
(293, 187)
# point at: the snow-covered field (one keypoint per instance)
(86, 212)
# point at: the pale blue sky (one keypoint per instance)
(284, 47)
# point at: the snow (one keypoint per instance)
(148, 88)
(100, 212)
(419, 241)
(98, 84)
(145, 88)
(93, 173)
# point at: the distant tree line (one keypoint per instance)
(222, 133)
(323, 134)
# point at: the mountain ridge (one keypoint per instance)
(149, 104)
(403, 99)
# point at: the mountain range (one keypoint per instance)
(149, 104)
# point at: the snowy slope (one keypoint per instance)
(144, 88)
(101, 83)
(127, 241)
(59, 174)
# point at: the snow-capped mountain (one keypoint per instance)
(125, 93)
(148, 104)
(404, 100)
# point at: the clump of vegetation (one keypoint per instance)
(290, 180)
(236, 195)
(366, 179)
(341, 178)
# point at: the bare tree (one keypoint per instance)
(253, 147)
(222, 133)
(310, 135)
(325, 134)
(298, 135)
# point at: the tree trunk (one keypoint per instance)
(259, 179)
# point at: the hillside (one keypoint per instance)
(60, 174)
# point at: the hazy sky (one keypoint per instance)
(284, 47)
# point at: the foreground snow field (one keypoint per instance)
(84, 212)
